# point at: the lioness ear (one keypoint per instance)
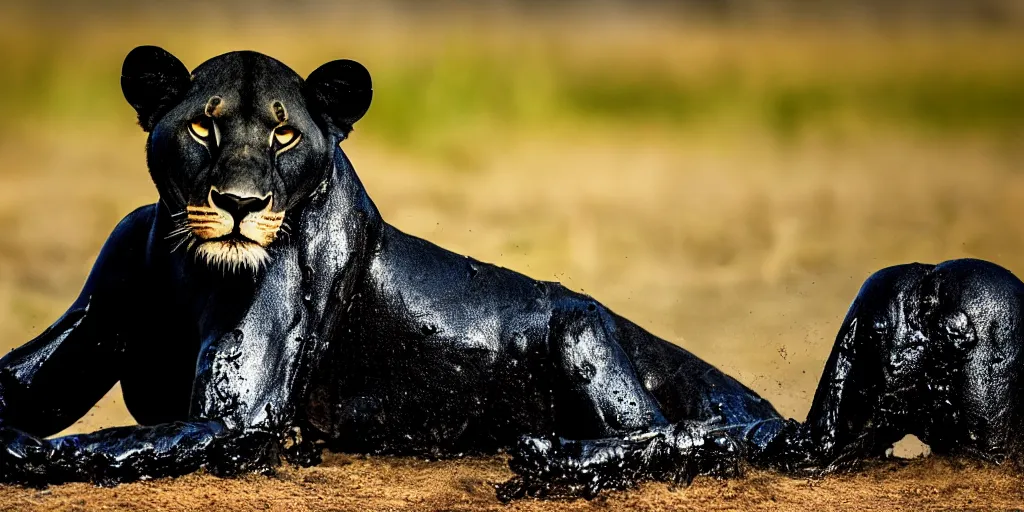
(340, 91)
(153, 81)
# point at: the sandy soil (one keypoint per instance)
(359, 483)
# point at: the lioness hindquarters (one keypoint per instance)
(928, 350)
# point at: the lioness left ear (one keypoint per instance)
(153, 81)
(340, 91)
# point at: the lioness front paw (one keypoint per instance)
(24, 459)
(247, 451)
(572, 468)
(550, 469)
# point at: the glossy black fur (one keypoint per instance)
(361, 338)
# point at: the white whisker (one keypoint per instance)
(187, 236)
(177, 232)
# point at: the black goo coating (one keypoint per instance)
(360, 338)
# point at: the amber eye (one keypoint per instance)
(284, 136)
(201, 128)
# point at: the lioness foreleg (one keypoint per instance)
(51, 381)
(617, 434)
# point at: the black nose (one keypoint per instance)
(238, 206)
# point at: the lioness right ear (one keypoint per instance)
(340, 91)
(153, 81)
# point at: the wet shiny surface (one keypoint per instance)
(928, 350)
(363, 339)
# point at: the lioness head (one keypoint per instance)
(237, 142)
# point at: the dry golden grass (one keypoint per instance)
(747, 255)
(742, 245)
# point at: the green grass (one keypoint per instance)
(416, 105)
(427, 101)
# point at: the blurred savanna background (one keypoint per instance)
(726, 174)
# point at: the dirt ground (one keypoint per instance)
(345, 483)
(744, 247)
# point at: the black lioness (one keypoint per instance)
(263, 308)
